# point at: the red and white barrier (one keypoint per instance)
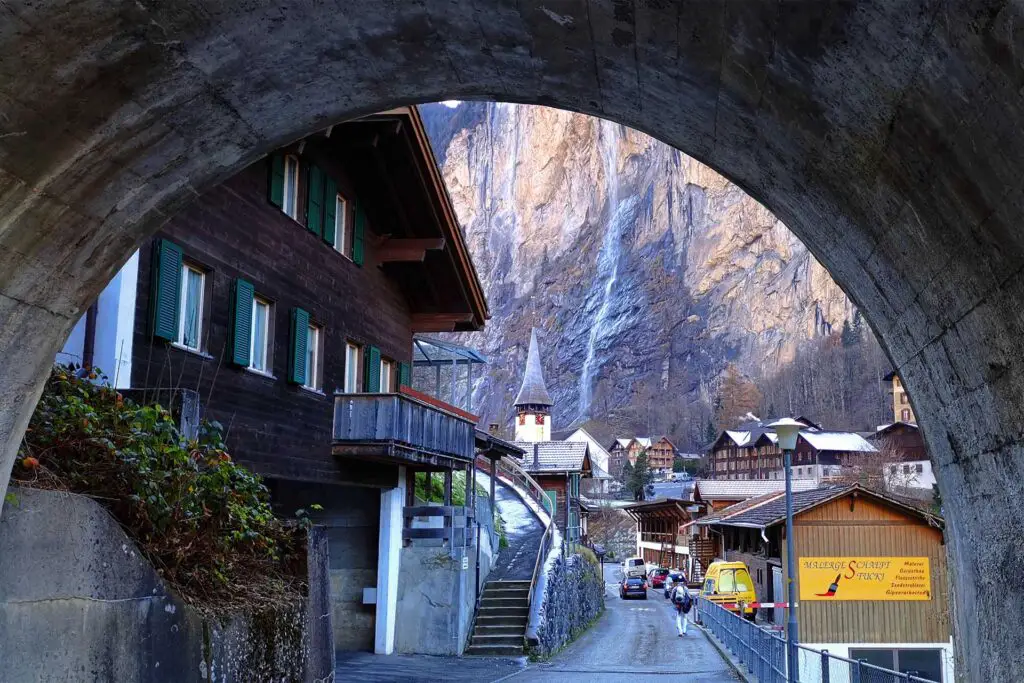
(754, 605)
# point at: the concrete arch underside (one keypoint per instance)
(885, 133)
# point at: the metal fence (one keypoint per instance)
(763, 653)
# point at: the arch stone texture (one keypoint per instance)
(886, 134)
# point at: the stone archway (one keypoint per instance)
(885, 133)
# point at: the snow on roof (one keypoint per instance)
(624, 442)
(644, 441)
(740, 438)
(599, 455)
(846, 442)
(710, 489)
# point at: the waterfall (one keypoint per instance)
(617, 215)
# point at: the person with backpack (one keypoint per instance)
(682, 602)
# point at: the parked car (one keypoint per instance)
(633, 586)
(634, 567)
(729, 583)
(657, 577)
(675, 578)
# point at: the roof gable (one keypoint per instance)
(555, 456)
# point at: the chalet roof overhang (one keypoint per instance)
(665, 508)
(493, 447)
(418, 239)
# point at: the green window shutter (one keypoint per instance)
(330, 208)
(404, 375)
(552, 501)
(277, 180)
(241, 322)
(358, 234)
(165, 291)
(371, 370)
(297, 358)
(315, 201)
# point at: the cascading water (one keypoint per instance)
(618, 215)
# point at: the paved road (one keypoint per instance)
(634, 640)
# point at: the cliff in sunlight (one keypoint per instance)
(645, 271)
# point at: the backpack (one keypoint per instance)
(681, 599)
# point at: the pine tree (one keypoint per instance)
(710, 433)
(640, 476)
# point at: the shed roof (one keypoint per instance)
(773, 511)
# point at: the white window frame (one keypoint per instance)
(313, 381)
(185, 268)
(342, 230)
(257, 301)
(386, 374)
(290, 189)
(352, 353)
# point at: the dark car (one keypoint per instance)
(657, 577)
(677, 579)
(633, 587)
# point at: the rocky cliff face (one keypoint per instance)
(644, 271)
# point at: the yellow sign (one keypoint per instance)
(865, 578)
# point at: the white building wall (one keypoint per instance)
(115, 324)
(839, 671)
(531, 431)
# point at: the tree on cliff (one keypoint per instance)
(737, 397)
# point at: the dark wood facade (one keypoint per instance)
(903, 439)
(234, 231)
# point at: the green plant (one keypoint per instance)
(204, 521)
(588, 554)
(10, 499)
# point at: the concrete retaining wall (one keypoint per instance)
(573, 598)
(78, 601)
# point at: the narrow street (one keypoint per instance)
(633, 640)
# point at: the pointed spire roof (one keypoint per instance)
(533, 392)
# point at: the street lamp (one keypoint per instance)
(787, 429)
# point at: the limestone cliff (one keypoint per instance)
(644, 270)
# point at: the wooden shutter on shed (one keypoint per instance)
(241, 322)
(165, 291)
(404, 375)
(297, 358)
(358, 235)
(276, 189)
(315, 201)
(330, 209)
(371, 360)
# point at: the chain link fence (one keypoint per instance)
(763, 653)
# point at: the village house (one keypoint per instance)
(600, 479)
(751, 452)
(557, 466)
(618, 456)
(283, 304)
(871, 579)
(660, 453)
(902, 411)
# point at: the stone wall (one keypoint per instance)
(573, 598)
(78, 601)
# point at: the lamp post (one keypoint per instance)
(787, 430)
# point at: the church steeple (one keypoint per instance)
(533, 404)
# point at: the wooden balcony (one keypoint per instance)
(402, 428)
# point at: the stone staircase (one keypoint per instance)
(500, 627)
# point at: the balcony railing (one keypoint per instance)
(406, 426)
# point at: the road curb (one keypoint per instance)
(733, 663)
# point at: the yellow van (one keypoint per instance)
(729, 583)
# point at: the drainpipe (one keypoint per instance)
(89, 343)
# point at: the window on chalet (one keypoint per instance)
(905, 415)
(343, 227)
(290, 189)
(259, 350)
(190, 307)
(351, 368)
(314, 369)
(386, 373)
(903, 398)
(920, 468)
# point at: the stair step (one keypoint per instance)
(509, 584)
(493, 620)
(497, 640)
(499, 630)
(502, 611)
(489, 601)
(493, 651)
(507, 592)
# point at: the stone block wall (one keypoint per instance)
(78, 601)
(573, 599)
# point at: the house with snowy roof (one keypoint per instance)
(751, 451)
